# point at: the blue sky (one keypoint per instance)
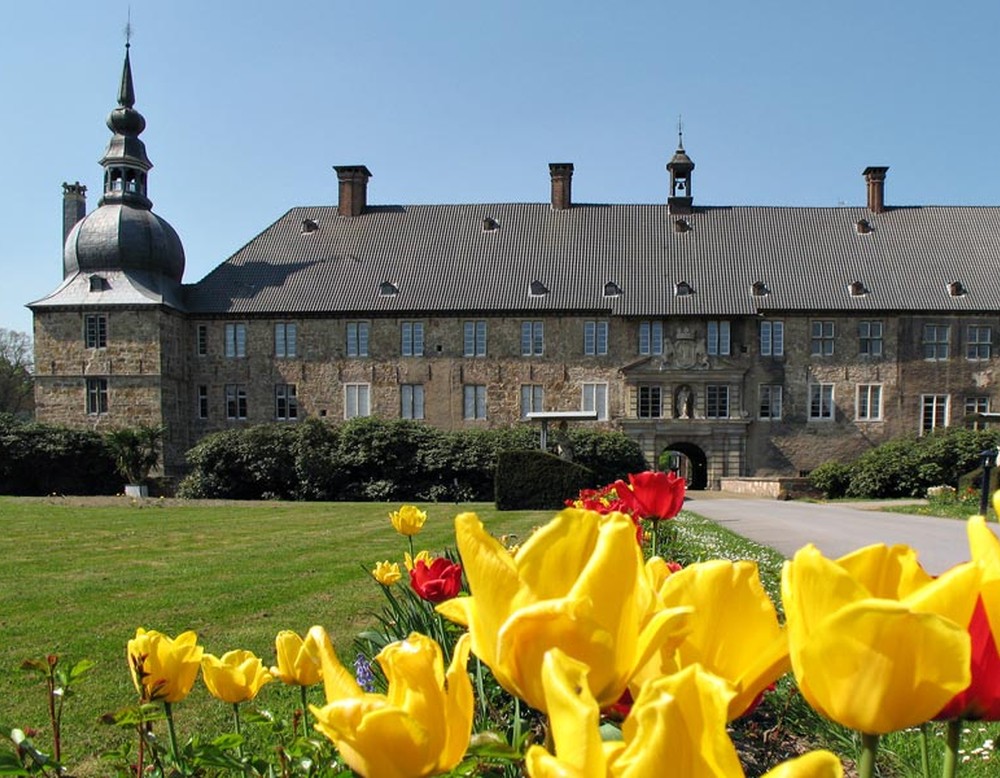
(249, 105)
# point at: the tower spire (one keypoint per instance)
(125, 161)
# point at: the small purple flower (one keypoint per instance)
(363, 673)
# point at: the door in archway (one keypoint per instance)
(691, 463)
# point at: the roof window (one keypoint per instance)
(682, 225)
(537, 289)
(388, 289)
(611, 289)
(309, 226)
(863, 227)
(957, 289)
(857, 288)
(99, 284)
(759, 289)
(683, 289)
(490, 224)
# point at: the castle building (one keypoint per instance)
(752, 341)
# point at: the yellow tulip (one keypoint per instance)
(420, 727)
(677, 726)
(408, 520)
(387, 573)
(985, 549)
(421, 556)
(734, 630)
(163, 669)
(299, 662)
(578, 584)
(235, 677)
(877, 663)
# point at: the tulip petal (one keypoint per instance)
(338, 683)
(891, 572)
(551, 559)
(815, 764)
(952, 594)
(985, 548)
(876, 666)
(459, 705)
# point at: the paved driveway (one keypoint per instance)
(835, 529)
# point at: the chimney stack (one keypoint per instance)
(875, 177)
(74, 206)
(562, 185)
(353, 195)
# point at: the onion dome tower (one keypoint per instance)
(123, 233)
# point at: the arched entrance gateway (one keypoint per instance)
(688, 461)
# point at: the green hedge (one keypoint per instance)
(39, 459)
(537, 480)
(378, 459)
(906, 466)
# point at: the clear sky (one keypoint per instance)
(250, 103)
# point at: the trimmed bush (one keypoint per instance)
(537, 480)
(610, 455)
(831, 478)
(38, 459)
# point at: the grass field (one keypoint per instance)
(78, 577)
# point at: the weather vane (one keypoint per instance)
(128, 28)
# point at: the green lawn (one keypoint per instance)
(77, 579)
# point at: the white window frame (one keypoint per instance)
(532, 399)
(868, 404)
(939, 408)
(236, 402)
(236, 340)
(822, 406)
(650, 338)
(411, 335)
(474, 338)
(769, 397)
(286, 402)
(96, 396)
(595, 338)
(357, 400)
(474, 402)
(594, 397)
(95, 330)
(285, 340)
(411, 401)
(772, 338)
(719, 338)
(357, 336)
(532, 338)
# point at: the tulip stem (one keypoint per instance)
(169, 713)
(952, 736)
(866, 765)
(925, 762)
(656, 534)
(305, 711)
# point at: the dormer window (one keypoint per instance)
(490, 224)
(857, 289)
(759, 289)
(863, 227)
(683, 289)
(98, 284)
(388, 289)
(957, 289)
(682, 225)
(537, 289)
(309, 226)
(611, 289)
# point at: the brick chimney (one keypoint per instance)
(875, 177)
(74, 206)
(353, 195)
(562, 185)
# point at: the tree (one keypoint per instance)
(136, 451)
(16, 367)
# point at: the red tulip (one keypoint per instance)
(652, 495)
(436, 581)
(981, 700)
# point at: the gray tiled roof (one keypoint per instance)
(441, 259)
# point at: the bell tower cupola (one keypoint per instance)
(680, 168)
(125, 162)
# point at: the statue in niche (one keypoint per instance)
(683, 403)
